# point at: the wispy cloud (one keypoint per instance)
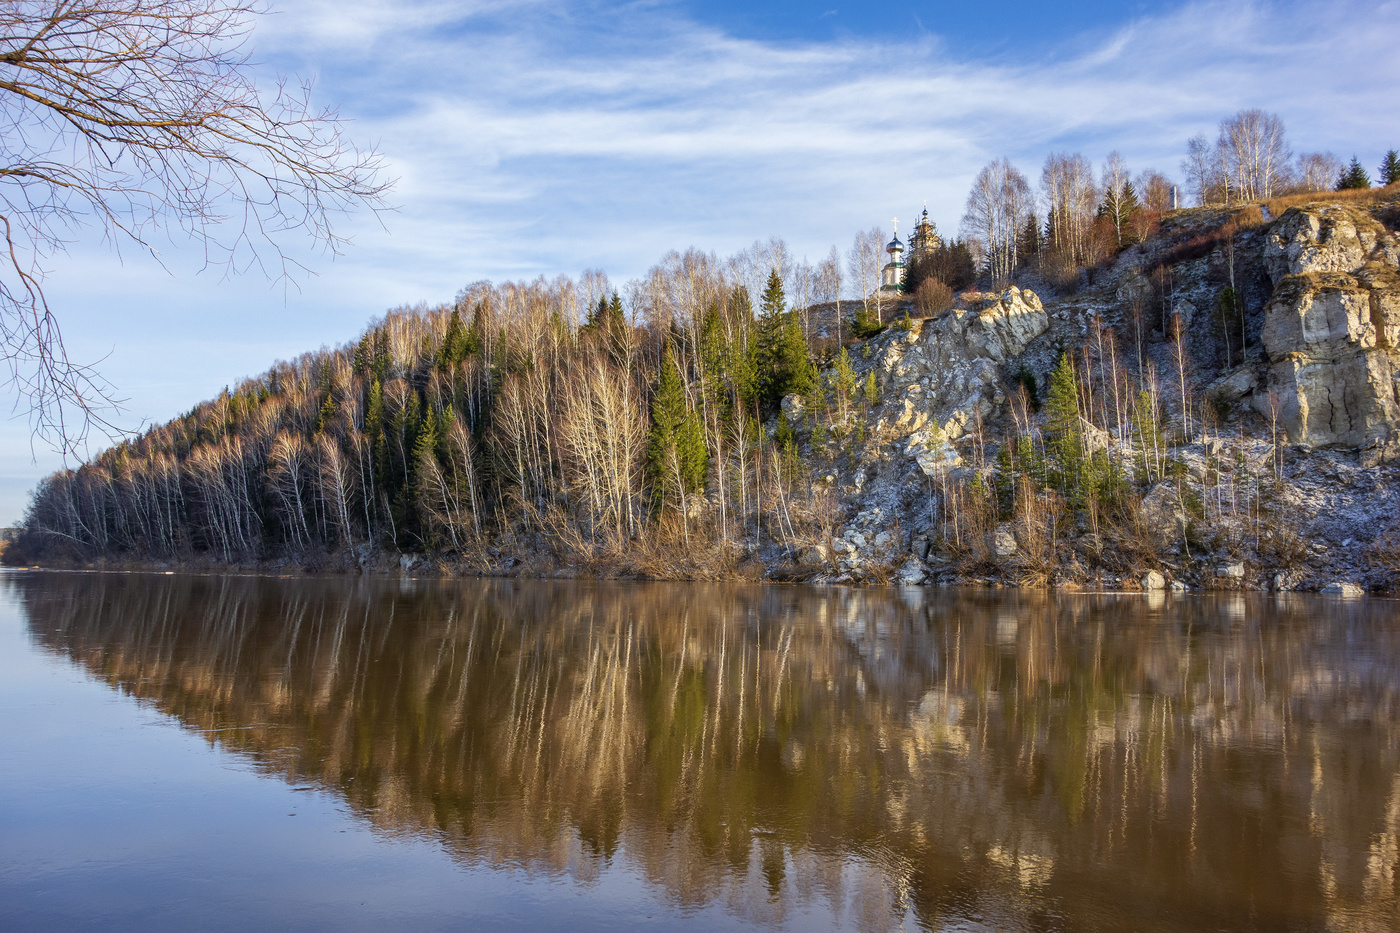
(503, 118)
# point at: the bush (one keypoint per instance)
(933, 297)
(863, 326)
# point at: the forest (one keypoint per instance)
(695, 422)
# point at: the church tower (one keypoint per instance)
(924, 240)
(892, 276)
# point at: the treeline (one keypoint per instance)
(554, 418)
(1078, 219)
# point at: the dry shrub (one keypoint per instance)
(933, 297)
(1058, 268)
(1134, 541)
(969, 515)
(1280, 544)
(1040, 514)
(1249, 217)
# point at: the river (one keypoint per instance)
(223, 752)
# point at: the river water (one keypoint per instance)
(219, 752)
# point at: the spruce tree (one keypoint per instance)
(1066, 435)
(843, 382)
(1029, 242)
(1389, 171)
(784, 366)
(424, 460)
(1354, 177)
(676, 451)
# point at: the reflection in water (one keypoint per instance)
(1027, 762)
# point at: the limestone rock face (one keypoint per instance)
(939, 380)
(1325, 239)
(1332, 330)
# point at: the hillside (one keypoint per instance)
(1215, 406)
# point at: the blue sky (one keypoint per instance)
(534, 138)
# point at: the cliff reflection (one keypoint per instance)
(1027, 761)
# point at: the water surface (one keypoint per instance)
(223, 752)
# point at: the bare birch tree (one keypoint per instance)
(1317, 171)
(863, 263)
(1255, 153)
(137, 116)
(997, 208)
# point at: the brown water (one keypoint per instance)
(221, 752)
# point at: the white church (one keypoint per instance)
(924, 240)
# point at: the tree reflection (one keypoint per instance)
(1036, 762)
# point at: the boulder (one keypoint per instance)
(794, 407)
(1230, 571)
(1234, 386)
(1153, 581)
(1343, 589)
(813, 556)
(911, 573)
(1003, 542)
(1161, 508)
(998, 327)
(1176, 586)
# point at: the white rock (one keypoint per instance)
(1176, 586)
(912, 573)
(794, 407)
(883, 540)
(1230, 571)
(1152, 581)
(1003, 542)
(1344, 589)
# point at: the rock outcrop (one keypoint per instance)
(939, 379)
(1332, 331)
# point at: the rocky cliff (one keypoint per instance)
(1276, 443)
(1332, 330)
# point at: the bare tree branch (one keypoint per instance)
(137, 117)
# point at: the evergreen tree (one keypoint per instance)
(457, 344)
(1389, 171)
(1119, 207)
(676, 452)
(1353, 177)
(1065, 433)
(424, 474)
(1028, 244)
(843, 382)
(784, 365)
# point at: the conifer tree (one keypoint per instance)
(1389, 171)
(424, 471)
(1029, 242)
(1354, 177)
(785, 367)
(1063, 425)
(843, 382)
(677, 458)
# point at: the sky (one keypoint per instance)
(532, 138)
